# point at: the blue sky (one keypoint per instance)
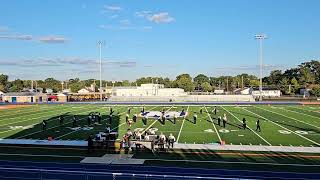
(57, 38)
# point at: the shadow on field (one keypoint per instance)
(68, 128)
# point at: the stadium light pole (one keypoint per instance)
(260, 38)
(100, 44)
(62, 86)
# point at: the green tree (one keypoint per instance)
(184, 76)
(284, 85)
(75, 87)
(201, 78)
(2, 88)
(3, 82)
(275, 77)
(126, 83)
(315, 91)
(53, 84)
(205, 86)
(17, 84)
(254, 83)
(306, 76)
(295, 85)
(185, 83)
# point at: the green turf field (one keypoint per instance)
(282, 125)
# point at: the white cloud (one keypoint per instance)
(125, 22)
(114, 16)
(53, 39)
(68, 61)
(162, 17)
(147, 27)
(125, 27)
(143, 13)
(112, 8)
(4, 28)
(16, 37)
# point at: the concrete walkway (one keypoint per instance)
(248, 148)
(113, 159)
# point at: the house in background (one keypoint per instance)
(1, 93)
(66, 91)
(88, 90)
(147, 90)
(218, 91)
(85, 91)
(49, 91)
(305, 92)
(266, 92)
(244, 91)
(24, 97)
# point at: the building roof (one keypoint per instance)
(127, 87)
(265, 88)
(23, 94)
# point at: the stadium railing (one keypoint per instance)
(47, 174)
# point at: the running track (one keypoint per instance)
(63, 171)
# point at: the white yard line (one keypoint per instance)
(49, 128)
(28, 111)
(154, 121)
(283, 127)
(215, 129)
(301, 112)
(24, 117)
(111, 129)
(126, 122)
(249, 127)
(289, 117)
(318, 111)
(57, 138)
(182, 126)
(46, 114)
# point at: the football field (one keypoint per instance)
(281, 125)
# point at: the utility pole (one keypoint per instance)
(100, 44)
(241, 82)
(62, 87)
(36, 86)
(260, 38)
(227, 85)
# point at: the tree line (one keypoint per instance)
(290, 81)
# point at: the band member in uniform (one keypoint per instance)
(134, 118)
(74, 121)
(174, 119)
(127, 118)
(195, 116)
(144, 120)
(244, 123)
(61, 120)
(172, 139)
(44, 125)
(224, 120)
(258, 125)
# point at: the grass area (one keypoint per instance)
(281, 125)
